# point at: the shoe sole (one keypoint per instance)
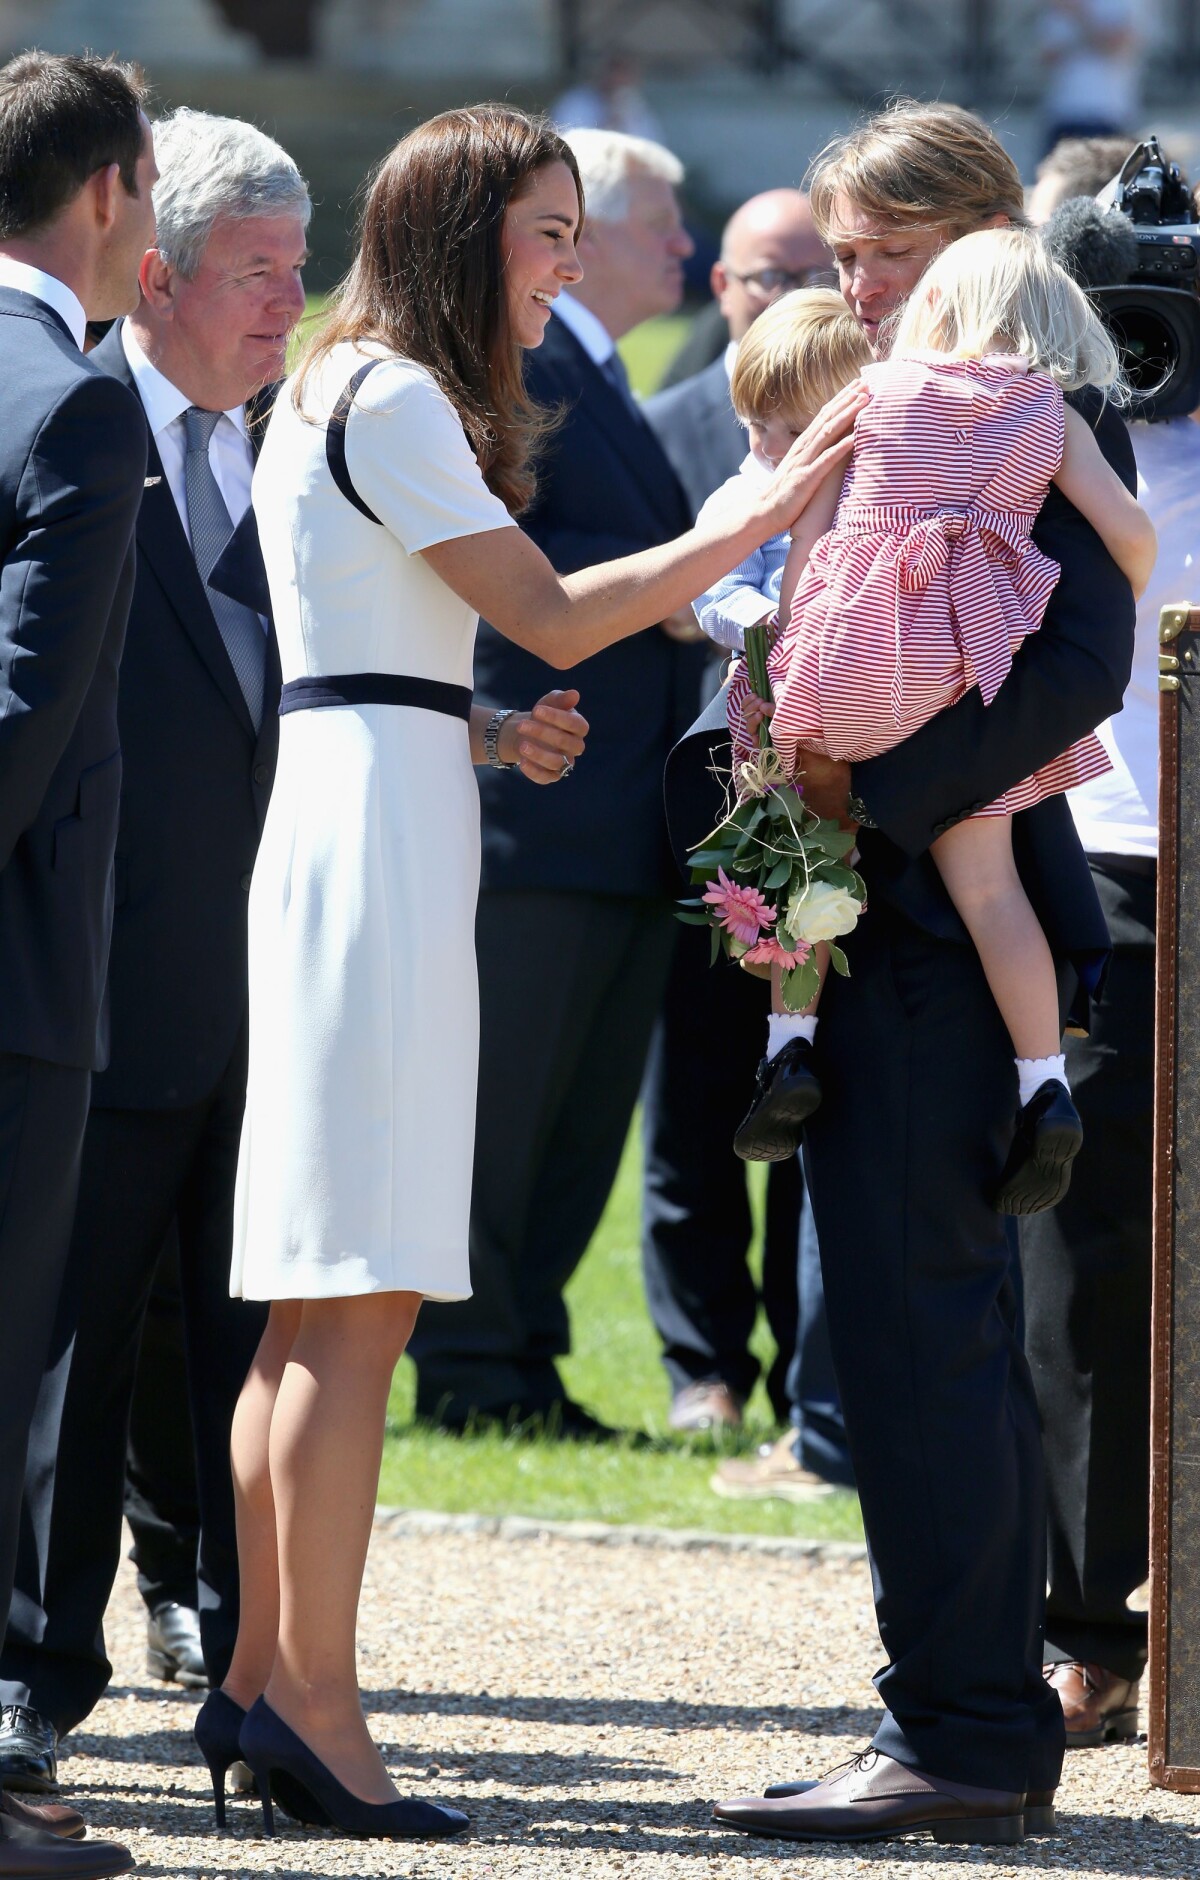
(775, 1137)
(161, 1665)
(1044, 1180)
(24, 1783)
(1121, 1727)
(777, 1491)
(987, 1831)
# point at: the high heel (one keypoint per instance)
(216, 1730)
(272, 1749)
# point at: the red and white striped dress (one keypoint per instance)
(928, 581)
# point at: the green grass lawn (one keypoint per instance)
(615, 1370)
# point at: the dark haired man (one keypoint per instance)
(76, 171)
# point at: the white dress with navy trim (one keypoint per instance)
(355, 1167)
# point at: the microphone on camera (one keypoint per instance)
(1096, 246)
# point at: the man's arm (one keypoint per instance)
(1066, 679)
(76, 509)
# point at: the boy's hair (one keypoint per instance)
(801, 351)
(1000, 285)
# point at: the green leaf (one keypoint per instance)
(800, 986)
(690, 918)
(714, 952)
(837, 959)
(781, 872)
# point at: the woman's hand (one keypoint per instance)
(825, 446)
(546, 741)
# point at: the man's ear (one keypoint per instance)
(157, 282)
(103, 185)
(718, 279)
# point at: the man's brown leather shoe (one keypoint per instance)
(51, 1817)
(875, 1798)
(1038, 1814)
(1098, 1706)
(704, 1406)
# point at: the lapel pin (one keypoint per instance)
(151, 481)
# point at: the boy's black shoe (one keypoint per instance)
(1048, 1137)
(786, 1090)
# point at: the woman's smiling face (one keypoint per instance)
(538, 244)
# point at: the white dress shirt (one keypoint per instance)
(229, 451)
(1117, 814)
(592, 334)
(49, 290)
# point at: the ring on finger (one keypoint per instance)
(568, 765)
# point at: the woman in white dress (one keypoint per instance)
(384, 495)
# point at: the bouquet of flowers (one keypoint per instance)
(774, 874)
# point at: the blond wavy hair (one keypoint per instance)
(917, 165)
(801, 351)
(999, 291)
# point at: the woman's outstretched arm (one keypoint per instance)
(566, 618)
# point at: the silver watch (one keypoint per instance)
(491, 740)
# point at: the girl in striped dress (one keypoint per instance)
(915, 577)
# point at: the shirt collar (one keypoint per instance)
(162, 401)
(582, 323)
(730, 358)
(47, 288)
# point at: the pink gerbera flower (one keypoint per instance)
(768, 951)
(742, 911)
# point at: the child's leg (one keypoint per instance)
(787, 1089)
(783, 1025)
(975, 860)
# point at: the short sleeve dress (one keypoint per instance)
(355, 1166)
(929, 579)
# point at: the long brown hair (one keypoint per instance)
(427, 281)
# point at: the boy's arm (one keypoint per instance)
(743, 598)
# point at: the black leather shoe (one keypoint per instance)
(28, 1751)
(1038, 1815)
(561, 1421)
(1049, 1135)
(30, 1854)
(173, 1646)
(786, 1091)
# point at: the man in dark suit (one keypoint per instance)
(920, 1092)
(575, 931)
(76, 170)
(696, 1214)
(220, 292)
(768, 246)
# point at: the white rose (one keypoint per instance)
(822, 912)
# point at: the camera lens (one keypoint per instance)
(1147, 347)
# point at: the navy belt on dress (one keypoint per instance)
(317, 692)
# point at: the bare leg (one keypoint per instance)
(254, 1506)
(325, 1449)
(975, 860)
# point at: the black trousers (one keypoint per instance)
(140, 1170)
(569, 986)
(43, 1108)
(696, 1224)
(162, 1502)
(920, 1096)
(1087, 1270)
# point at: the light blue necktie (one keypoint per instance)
(211, 527)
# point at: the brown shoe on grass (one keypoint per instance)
(772, 1475)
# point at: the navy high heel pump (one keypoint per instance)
(273, 1749)
(216, 1730)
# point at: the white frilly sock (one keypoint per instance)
(1034, 1072)
(782, 1027)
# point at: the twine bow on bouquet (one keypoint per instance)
(774, 876)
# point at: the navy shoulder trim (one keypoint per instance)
(335, 442)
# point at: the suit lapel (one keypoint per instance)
(162, 541)
(632, 438)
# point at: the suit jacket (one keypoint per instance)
(1066, 679)
(695, 424)
(705, 340)
(606, 490)
(72, 460)
(197, 781)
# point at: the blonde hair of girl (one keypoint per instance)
(999, 291)
(801, 351)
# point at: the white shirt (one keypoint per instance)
(1117, 814)
(592, 334)
(730, 358)
(229, 450)
(1085, 84)
(49, 290)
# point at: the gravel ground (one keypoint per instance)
(585, 1704)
